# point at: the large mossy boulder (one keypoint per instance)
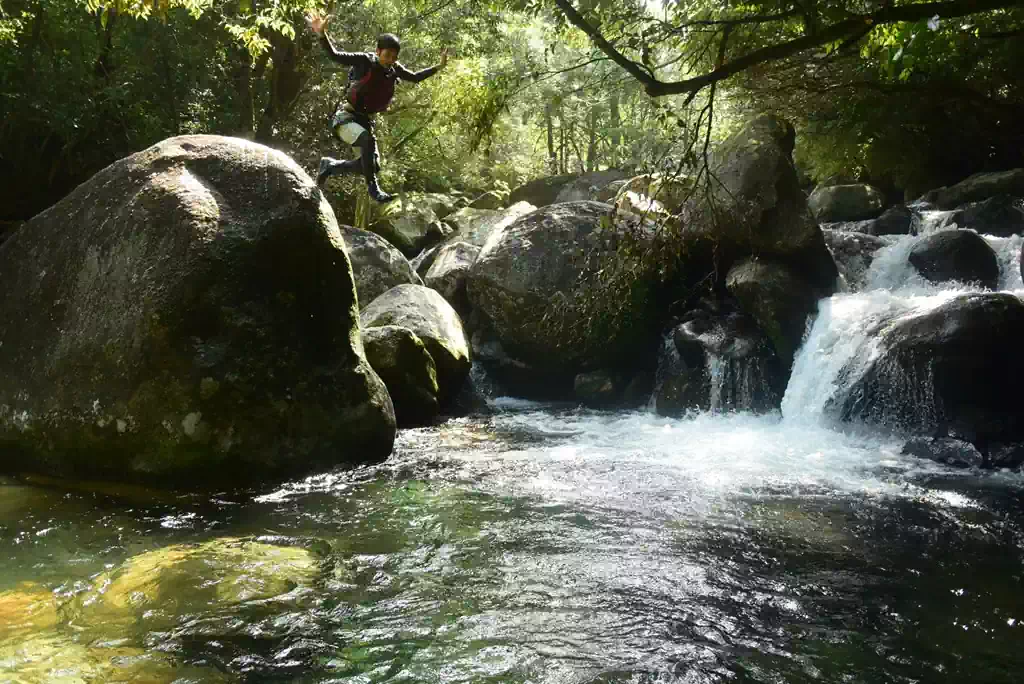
(376, 264)
(543, 287)
(186, 317)
(759, 208)
(433, 320)
(955, 371)
(409, 223)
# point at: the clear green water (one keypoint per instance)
(540, 545)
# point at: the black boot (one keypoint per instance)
(370, 171)
(376, 193)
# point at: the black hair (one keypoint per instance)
(389, 41)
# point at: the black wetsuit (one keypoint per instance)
(372, 93)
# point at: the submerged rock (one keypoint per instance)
(158, 589)
(946, 450)
(186, 317)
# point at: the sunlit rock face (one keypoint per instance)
(187, 316)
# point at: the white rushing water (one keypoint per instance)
(649, 462)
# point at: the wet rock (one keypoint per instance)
(776, 299)
(855, 202)
(946, 450)
(853, 254)
(596, 388)
(407, 369)
(955, 370)
(896, 220)
(434, 321)
(960, 255)
(376, 265)
(1001, 216)
(717, 359)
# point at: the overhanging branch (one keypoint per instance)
(854, 26)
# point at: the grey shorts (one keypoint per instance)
(347, 130)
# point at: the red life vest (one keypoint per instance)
(372, 91)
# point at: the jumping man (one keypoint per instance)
(370, 90)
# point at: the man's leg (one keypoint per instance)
(335, 167)
(369, 157)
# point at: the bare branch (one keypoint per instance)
(636, 70)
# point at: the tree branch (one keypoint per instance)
(636, 70)
(842, 30)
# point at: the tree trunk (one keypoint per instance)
(561, 145)
(104, 65)
(286, 82)
(592, 140)
(576, 147)
(244, 74)
(552, 154)
(167, 71)
(616, 128)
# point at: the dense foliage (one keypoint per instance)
(903, 95)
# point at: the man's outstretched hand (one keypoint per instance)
(317, 22)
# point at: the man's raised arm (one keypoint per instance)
(417, 76)
(318, 25)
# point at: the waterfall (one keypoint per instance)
(742, 384)
(843, 341)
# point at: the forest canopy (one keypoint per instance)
(907, 95)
